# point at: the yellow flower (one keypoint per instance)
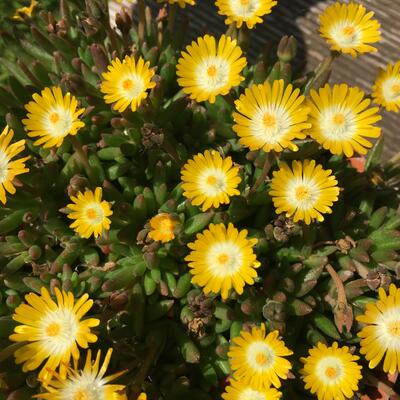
(53, 330)
(52, 116)
(380, 338)
(142, 396)
(243, 391)
(209, 180)
(221, 259)
(331, 372)
(386, 91)
(208, 69)
(304, 192)
(162, 228)
(19, 12)
(9, 168)
(271, 116)
(90, 213)
(126, 83)
(341, 119)
(245, 11)
(89, 383)
(181, 3)
(258, 359)
(348, 28)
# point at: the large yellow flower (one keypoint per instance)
(53, 330)
(208, 69)
(88, 383)
(27, 10)
(386, 91)
(52, 116)
(348, 28)
(90, 213)
(221, 259)
(243, 391)
(331, 372)
(9, 168)
(126, 83)
(380, 338)
(162, 227)
(304, 192)
(258, 359)
(245, 11)
(209, 180)
(271, 116)
(342, 119)
(181, 3)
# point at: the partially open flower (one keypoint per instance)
(386, 91)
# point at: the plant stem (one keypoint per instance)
(244, 37)
(172, 18)
(266, 167)
(82, 157)
(142, 21)
(232, 31)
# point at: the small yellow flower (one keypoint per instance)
(126, 83)
(53, 330)
(304, 192)
(380, 337)
(348, 28)
(342, 120)
(181, 3)
(142, 396)
(249, 12)
(89, 383)
(221, 259)
(331, 372)
(386, 91)
(271, 116)
(209, 180)
(162, 228)
(208, 69)
(90, 213)
(52, 116)
(10, 168)
(258, 359)
(243, 391)
(19, 12)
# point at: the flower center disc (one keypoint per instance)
(269, 120)
(212, 71)
(394, 328)
(303, 193)
(127, 84)
(331, 372)
(55, 117)
(53, 329)
(339, 119)
(81, 395)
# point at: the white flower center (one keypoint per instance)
(58, 122)
(83, 387)
(389, 327)
(260, 356)
(391, 89)
(346, 34)
(337, 123)
(59, 330)
(213, 73)
(303, 193)
(244, 8)
(93, 213)
(224, 258)
(213, 182)
(330, 370)
(4, 160)
(131, 86)
(250, 394)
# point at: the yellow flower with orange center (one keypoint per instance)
(386, 90)
(238, 390)
(162, 227)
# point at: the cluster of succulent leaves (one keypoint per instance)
(170, 336)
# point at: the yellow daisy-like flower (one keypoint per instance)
(304, 192)
(331, 372)
(243, 391)
(210, 180)
(270, 116)
(245, 11)
(208, 69)
(28, 10)
(52, 117)
(90, 213)
(386, 91)
(221, 259)
(53, 329)
(9, 168)
(257, 359)
(380, 338)
(348, 28)
(162, 227)
(341, 119)
(142, 396)
(126, 83)
(88, 383)
(181, 3)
